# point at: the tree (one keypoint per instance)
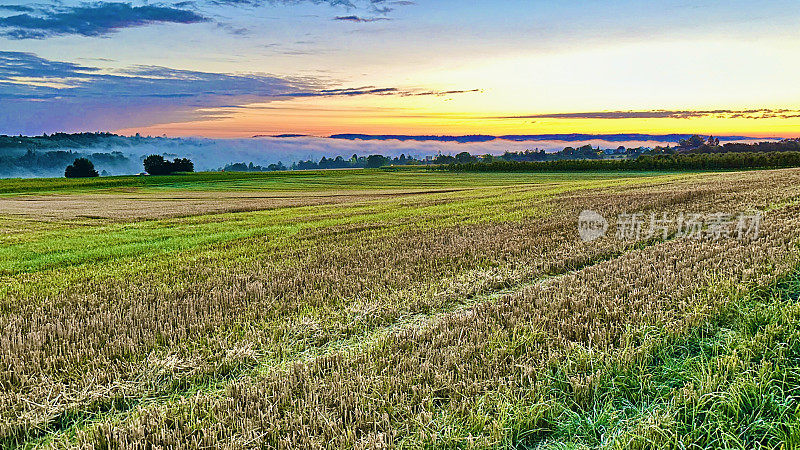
(693, 142)
(185, 165)
(156, 165)
(81, 168)
(464, 157)
(374, 161)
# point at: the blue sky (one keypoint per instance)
(241, 67)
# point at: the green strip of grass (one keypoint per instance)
(297, 181)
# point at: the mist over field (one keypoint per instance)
(213, 154)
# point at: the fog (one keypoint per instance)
(214, 154)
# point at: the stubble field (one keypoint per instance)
(364, 309)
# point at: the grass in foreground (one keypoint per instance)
(733, 382)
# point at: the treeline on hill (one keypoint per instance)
(73, 141)
(692, 161)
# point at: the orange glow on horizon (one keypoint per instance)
(328, 121)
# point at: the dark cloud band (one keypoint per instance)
(358, 19)
(102, 18)
(94, 19)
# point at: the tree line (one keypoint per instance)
(678, 162)
(694, 144)
(339, 162)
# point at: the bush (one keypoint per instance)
(157, 165)
(81, 168)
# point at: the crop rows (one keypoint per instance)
(245, 318)
(487, 368)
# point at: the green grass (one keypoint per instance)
(356, 179)
(733, 382)
(60, 246)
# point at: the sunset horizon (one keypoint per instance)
(237, 68)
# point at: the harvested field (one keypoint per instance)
(415, 309)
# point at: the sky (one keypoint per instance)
(238, 68)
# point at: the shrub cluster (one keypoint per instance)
(157, 165)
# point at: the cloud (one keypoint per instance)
(92, 19)
(387, 6)
(39, 95)
(666, 114)
(24, 75)
(16, 8)
(358, 19)
(42, 95)
(377, 9)
(444, 93)
(358, 4)
(101, 18)
(372, 90)
(234, 30)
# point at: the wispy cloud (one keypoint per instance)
(358, 19)
(372, 90)
(372, 5)
(24, 75)
(365, 11)
(666, 114)
(91, 19)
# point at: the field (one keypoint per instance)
(364, 309)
